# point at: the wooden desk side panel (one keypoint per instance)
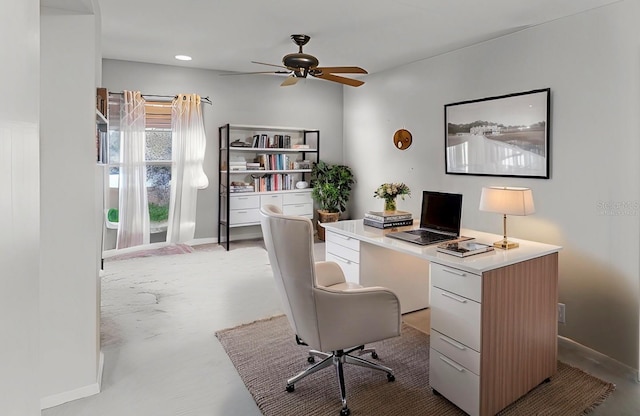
(519, 330)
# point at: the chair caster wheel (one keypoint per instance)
(345, 411)
(391, 377)
(290, 388)
(374, 355)
(310, 359)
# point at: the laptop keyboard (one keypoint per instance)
(428, 237)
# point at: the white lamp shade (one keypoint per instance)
(509, 201)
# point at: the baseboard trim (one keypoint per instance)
(211, 240)
(114, 252)
(201, 241)
(79, 393)
(631, 372)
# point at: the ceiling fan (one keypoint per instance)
(299, 65)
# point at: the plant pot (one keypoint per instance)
(324, 217)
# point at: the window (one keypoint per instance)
(157, 157)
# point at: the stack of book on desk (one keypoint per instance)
(382, 219)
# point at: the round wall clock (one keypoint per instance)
(402, 139)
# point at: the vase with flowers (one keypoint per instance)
(389, 192)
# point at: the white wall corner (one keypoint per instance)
(79, 393)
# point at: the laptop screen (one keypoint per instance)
(441, 211)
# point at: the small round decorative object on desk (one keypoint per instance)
(302, 184)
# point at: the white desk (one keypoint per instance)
(493, 315)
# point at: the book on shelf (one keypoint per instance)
(463, 248)
(390, 224)
(301, 146)
(384, 216)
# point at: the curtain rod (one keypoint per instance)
(205, 100)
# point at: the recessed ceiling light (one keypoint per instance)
(183, 57)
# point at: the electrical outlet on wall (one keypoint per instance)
(561, 313)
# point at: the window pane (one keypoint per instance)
(114, 146)
(114, 177)
(158, 192)
(158, 145)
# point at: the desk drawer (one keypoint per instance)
(456, 281)
(244, 216)
(297, 198)
(456, 317)
(350, 269)
(458, 352)
(455, 382)
(335, 238)
(244, 202)
(344, 252)
(275, 199)
(298, 209)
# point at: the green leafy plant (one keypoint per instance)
(331, 186)
(157, 213)
(112, 215)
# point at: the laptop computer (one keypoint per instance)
(439, 219)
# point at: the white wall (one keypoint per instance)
(69, 285)
(19, 206)
(237, 99)
(591, 63)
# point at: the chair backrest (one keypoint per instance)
(289, 242)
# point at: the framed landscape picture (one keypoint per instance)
(499, 136)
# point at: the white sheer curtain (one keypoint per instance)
(187, 174)
(133, 210)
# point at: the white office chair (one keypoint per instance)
(328, 314)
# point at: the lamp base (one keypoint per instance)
(506, 244)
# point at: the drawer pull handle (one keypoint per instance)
(452, 364)
(342, 259)
(241, 212)
(456, 298)
(454, 272)
(343, 237)
(453, 343)
(243, 198)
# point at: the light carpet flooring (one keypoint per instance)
(161, 357)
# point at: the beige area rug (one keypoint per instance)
(265, 355)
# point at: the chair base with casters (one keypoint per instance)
(337, 359)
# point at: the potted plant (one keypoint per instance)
(331, 190)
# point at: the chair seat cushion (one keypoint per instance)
(345, 286)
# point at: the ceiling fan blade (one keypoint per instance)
(342, 69)
(263, 63)
(259, 72)
(289, 81)
(342, 80)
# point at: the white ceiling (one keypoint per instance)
(373, 34)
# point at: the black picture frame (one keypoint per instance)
(506, 135)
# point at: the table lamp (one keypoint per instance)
(507, 201)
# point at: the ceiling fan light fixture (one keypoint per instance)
(300, 64)
(300, 61)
